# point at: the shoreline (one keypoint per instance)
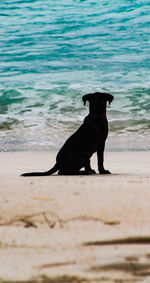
(53, 227)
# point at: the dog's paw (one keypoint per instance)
(90, 172)
(104, 172)
(93, 171)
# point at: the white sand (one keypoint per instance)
(46, 221)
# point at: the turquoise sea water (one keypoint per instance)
(53, 52)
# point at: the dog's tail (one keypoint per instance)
(47, 173)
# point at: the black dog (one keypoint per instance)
(89, 138)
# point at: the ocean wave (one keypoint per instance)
(52, 53)
(47, 116)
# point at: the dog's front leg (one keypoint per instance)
(100, 156)
(88, 169)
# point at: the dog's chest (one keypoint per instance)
(99, 127)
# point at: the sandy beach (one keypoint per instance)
(75, 228)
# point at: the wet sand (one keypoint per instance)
(75, 228)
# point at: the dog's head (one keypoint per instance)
(97, 96)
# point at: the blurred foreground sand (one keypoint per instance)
(75, 228)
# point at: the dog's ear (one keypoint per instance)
(86, 97)
(109, 97)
